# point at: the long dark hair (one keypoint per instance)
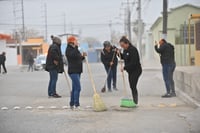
(124, 39)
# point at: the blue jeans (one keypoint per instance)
(112, 77)
(52, 82)
(76, 88)
(168, 71)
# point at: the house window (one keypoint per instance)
(182, 35)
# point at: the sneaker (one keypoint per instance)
(167, 95)
(55, 96)
(109, 90)
(58, 96)
(77, 108)
(114, 88)
(173, 94)
(103, 90)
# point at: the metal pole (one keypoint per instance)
(46, 31)
(189, 42)
(185, 43)
(129, 20)
(139, 44)
(64, 23)
(110, 26)
(165, 15)
(23, 32)
(23, 26)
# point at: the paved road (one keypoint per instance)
(154, 114)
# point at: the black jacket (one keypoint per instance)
(30, 59)
(106, 58)
(166, 52)
(2, 59)
(54, 53)
(74, 58)
(131, 59)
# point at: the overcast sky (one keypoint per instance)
(91, 17)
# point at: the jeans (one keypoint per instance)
(168, 71)
(30, 67)
(52, 82)
(112, 77)
(76, 88)
(133, 80)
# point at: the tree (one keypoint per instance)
(29, 33)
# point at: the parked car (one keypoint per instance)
(40, 62)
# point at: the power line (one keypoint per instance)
(89, 24)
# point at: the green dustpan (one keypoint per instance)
(127, 103)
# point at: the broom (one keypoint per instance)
(125, 101)
(98, 104)
(104, 87)
(68, 83)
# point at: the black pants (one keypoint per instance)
(4, 67)
(133, 80)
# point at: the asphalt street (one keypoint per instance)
(26, 108)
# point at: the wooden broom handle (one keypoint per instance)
(67, 80)
(124, 82)
(90, 76)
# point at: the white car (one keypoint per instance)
(40, 62)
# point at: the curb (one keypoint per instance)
(187, 99)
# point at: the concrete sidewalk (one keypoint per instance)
(188, 80)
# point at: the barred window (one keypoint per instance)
(182, 35)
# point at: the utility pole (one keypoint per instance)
(139, 36)
(127, 19)
(23, 32)
(110, 26)
(72, 29)
(23, 26)
(45, 16)
(64, 17)
(165, 15)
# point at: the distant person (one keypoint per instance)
(54, 65)
(166, 51)
(132, 65)
(109, 60)
(30, 62)
(75, 68)
(2, 62)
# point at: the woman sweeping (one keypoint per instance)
(75, 69)
(132, 65)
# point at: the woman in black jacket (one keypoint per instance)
(54, 65)
(132, 65)
(75, 68)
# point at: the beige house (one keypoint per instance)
(177, 32)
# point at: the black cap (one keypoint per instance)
(106, 44)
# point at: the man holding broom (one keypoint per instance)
(109, 60)
(75, 68)
(132, 65)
